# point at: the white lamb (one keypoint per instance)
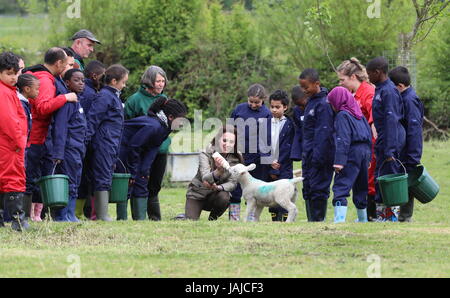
(260, 194)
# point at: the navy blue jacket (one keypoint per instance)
(252, 136)
(285, 146)
(141, 139)
(412, 152)
(88, 95)
(350, 132)
(27, 110)
(105, 121)
(388, 113)
(318, 127)
(68, 130)
(296, 150)
(61, 87)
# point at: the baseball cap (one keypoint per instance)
(85, 34)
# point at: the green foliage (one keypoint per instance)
(225, 58)
(433, 76)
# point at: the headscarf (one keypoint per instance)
(342, 100)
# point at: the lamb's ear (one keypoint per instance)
(251, 167)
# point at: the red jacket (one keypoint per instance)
(14, 123)
(364, 96)
(43, 107)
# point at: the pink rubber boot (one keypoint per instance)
(37, 211)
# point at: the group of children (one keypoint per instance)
(62, 120)
(365, 128)
(72, 123)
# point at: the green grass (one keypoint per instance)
(24, 35)
(237, 249)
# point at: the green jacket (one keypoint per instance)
(138, 104)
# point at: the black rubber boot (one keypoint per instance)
(308, 210)
(14, 204)
(371, 208)
(406, 211)
(27, 201)
(153, 209)
(139, 208)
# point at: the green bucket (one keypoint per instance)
(394, 188)
(54, 190)
(119, 189)
(422, 186)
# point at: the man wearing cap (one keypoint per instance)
(82, 46)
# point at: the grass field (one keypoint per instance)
(237, 249)
(24, 35)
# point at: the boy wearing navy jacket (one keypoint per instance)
(298, 114)
(68, 135)
(253, 110)
(318, 145)
(388, 113)
(413, 122)
(281, 135)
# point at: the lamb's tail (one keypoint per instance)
(296, 180)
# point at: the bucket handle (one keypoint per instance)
(124, 167)
(394, 160)
(54, 168)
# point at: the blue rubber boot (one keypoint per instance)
(340, 213)
(362, 215)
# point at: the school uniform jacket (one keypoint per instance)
(297, 121)
(43, 107)
(285, 139)
(244, 112)
(388, 112)
(141, 139)
(412, 152)
(105, 122)
(88, 95)
(350, 132)
(318, 126)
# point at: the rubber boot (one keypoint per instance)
(27, 204)
(37, 211)
(406, 211)
(87, 208)
(371, 208)
(308, 210)
(122, 210)
(234, 212)
(318, 209)
(79, 208)
(362, 215)
(71, 207)
(14, 204)
(274, 216)
(139, 208)
(392, 213)
(153, 209)
(340, 213)
(101, 202)
(2, 206)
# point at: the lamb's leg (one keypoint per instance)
(258, 211)
(251, 209)
(291, 208)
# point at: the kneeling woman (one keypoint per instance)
(210, 189)
(141, 139)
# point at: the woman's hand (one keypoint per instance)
(219, 166)
(211, 186)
